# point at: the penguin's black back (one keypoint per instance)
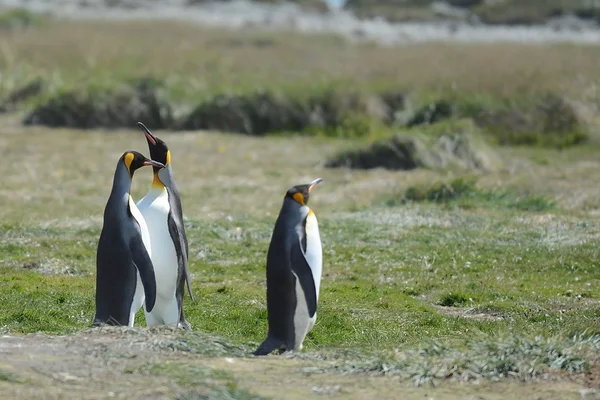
(281, 286)
(116, 276)
(121, 254)
(179, 237)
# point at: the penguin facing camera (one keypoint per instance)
(124, 271)
(161, 208)
(294, 265)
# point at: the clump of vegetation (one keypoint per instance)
(464, 193)
(546, 120)
(453, 299)
(19, 18)
(9, 377)
(200, 343)
(105, 108)
(524, 358)
(21, 94)
(504, 12)
(515, 12)
(256, 113)
(401, 152)
(433, 112)
(454, 144)
(332, 112)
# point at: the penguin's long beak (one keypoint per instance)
(314, 183)
(147, 132)
(154, 163)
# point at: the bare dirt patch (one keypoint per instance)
(474, 313)
(135, 363)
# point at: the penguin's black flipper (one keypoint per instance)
(143, 263)
(268, 346)
(180, 241)
(304, 273)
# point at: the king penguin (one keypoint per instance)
(124, 272)
(294, 264)
(161, 208)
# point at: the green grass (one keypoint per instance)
(378, 290)
(9, 377)
(463, 192)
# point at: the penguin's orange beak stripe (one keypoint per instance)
(154, 163)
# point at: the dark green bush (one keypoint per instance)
(103, 108)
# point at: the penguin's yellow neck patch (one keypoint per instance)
(156, 182)
(168, 158)
(128, 160)
(299, 198)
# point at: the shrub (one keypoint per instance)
(104, 108)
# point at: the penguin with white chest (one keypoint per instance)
(294, 265)
(161, 208)
(124, 272)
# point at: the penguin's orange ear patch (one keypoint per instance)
(128, 160)
(168, 158)
(299, 197)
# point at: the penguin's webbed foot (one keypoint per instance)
(185, 325)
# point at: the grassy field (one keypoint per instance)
(430, 275)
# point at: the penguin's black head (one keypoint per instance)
(300, 193)
(158, 149)
(134, 160)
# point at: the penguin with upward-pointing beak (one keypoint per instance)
(161, 208)
(124, 271)
(294, 264)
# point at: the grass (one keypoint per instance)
(388, 267)
(518, 357)
(199, 382)
(9, 377)
(464, 193)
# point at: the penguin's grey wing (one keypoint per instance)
(143, 263)
(302, 269)
(177, 233)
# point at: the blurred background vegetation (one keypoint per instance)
(86, 73)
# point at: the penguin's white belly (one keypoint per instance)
(302, 322)
(137, 215)
(139, 295)
(154, 207)
(314, 251)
